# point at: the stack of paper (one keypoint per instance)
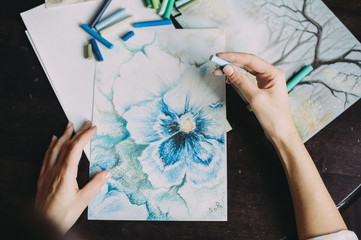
(59, 43)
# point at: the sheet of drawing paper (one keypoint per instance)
(292, 34)
(59, 43)
(161, 129)
(60, 3)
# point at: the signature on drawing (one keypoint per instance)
(218, 207)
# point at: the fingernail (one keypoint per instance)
(87, 123)
(69, 125)
(53, 138)
(228, 70)
(108, 176)
(217, 72)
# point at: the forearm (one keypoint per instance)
(316, 213)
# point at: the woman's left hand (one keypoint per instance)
(58, 196)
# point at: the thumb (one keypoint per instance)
(240, 80)
(88, 192)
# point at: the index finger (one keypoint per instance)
(251, 63)
(76, 149)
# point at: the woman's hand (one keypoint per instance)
(268, 99)
(58, 196)
(316, 213)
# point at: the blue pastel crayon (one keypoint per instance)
(152, 23)
(97, 36)
(127, 36)
(100, 13)
(111, 19)
(96, 50)
(222, 62)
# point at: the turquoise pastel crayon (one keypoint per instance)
(301, 75)
(96, 50)
(100, 13)
(222, 62)
(127, 36)
(163, 6)
(97, 36)
(148, 3)
(168, 10)
(152, 23)
(111, 19)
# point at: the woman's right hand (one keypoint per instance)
(268, 99)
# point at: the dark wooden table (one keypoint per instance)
(259, 202)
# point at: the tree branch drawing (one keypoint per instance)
(315, 38)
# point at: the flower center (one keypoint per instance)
(187, 124)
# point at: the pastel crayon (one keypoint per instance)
(111, 19)
(222, 62)
(148, 3)
(97, 36)
(152, 23)
(301, 75)
(96, 50)
(155, 4)
(168, 10)
(100, 13)
(163, 6)
(180, 3)
(89, 52)
(127, 35)
(116, 26)
(187, 5)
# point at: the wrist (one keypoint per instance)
(284, 138)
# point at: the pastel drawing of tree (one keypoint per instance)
(311, 34)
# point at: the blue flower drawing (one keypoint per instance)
(184, 128)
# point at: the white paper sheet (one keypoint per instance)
(59, 42)
(60, 3)
(161, 129)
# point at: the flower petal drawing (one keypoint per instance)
(157, 174)
(182, 129)
(149, 122)
(161, 128)
(208, 119)
(186, 147)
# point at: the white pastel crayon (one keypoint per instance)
(116, 26)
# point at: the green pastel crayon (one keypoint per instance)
(301, 75)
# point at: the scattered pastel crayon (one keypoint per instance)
(155, 4)
(100, 13)
(187, 5)
(301, 75)
(89, 52)
(168, 10)
(163, 6)
(116, 26)
(148, 3)
(181, 2)
(97, 36)
(111, 19)
(152, 23)
(127, 35)
(96, 50)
